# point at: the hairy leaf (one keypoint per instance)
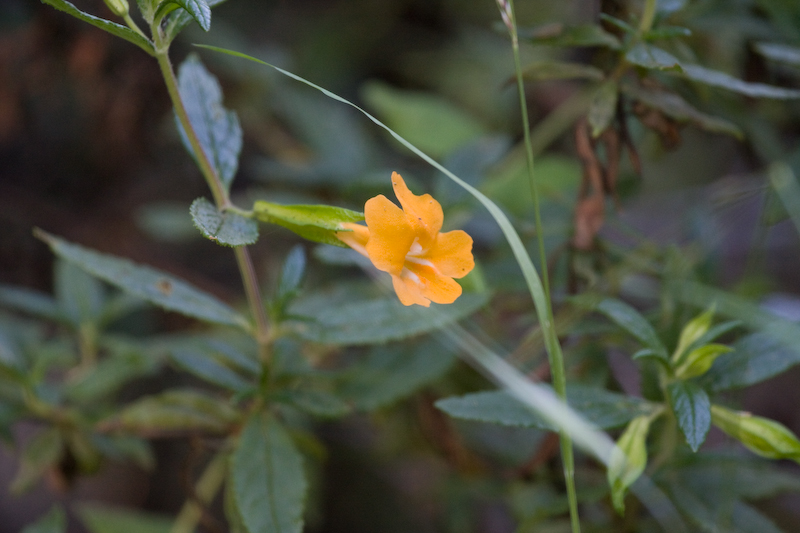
(148, 283)
(227, 228)
(692, 408)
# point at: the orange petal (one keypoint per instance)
(451, 254)
(430, 284)
(424, 211)
(409, 291)
(355, 239)
(390, 234)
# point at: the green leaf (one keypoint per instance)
(699, 360)
(680, 110)
(628, 460)
(653, 58)
(692, 408)
(40, 454)
(202, 364)
(179, 19)
(716, 78)
(432, 123)
(147, 283)
(342, 318)
(177, 410)
(111, 27)
(105, 519)
(782, 53)
(317, 223)
(561, 70)
(80, 296)
(602, 408)
(108, 376)
(316, 402)
(55, 521)
(755, 358)
(583, 35)
(29, 301)
(268, 479)
(292, 274)
(227, 228)
(762, 436)
(199, 10)
(217, 129)
(603, 108)
(391, 373)
(630, 320)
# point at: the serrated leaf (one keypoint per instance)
(317, 223)
(147, 283)
(692, 408)
(628, 460)
(199, 10)
(339, 318)
(177, 410)
(80, 296)
(201, 364)
(583, 35)
(105, 519)
(428, 121)
(111, 27)
(561, 70)
(29, 301)
(180, 18)
(268, 479)
(630, 320)
(755, 358)
(653, 58)
(603, 107)
(217, 129)
(782, 53)
(317, 402)
(390, 373)
(41, 453)
(602, 408)
(55, 521)
(227, 228)
(680, 110)
(722, 80)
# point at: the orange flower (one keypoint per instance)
(407, 244)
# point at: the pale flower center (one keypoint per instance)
(413, 256)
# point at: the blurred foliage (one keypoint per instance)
(665, 136)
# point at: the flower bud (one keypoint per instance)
(628, 460)
(762, 436)
(118, 7)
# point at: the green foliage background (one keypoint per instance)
(380, 422)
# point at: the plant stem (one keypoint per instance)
(221, 199)
(551, 337)
(207, 487)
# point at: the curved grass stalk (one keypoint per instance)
(542, 401)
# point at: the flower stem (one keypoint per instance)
(221, 199)
(548, 326)
(207, 487)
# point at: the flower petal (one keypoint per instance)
(390, 234)
(409, 291)
(355, 239)
(424, 212)
(451, 254)
(432, 285)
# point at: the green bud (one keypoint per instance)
(628, 460)
(118, 7)
(762, 436)
(699, 360)
(692, 331)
